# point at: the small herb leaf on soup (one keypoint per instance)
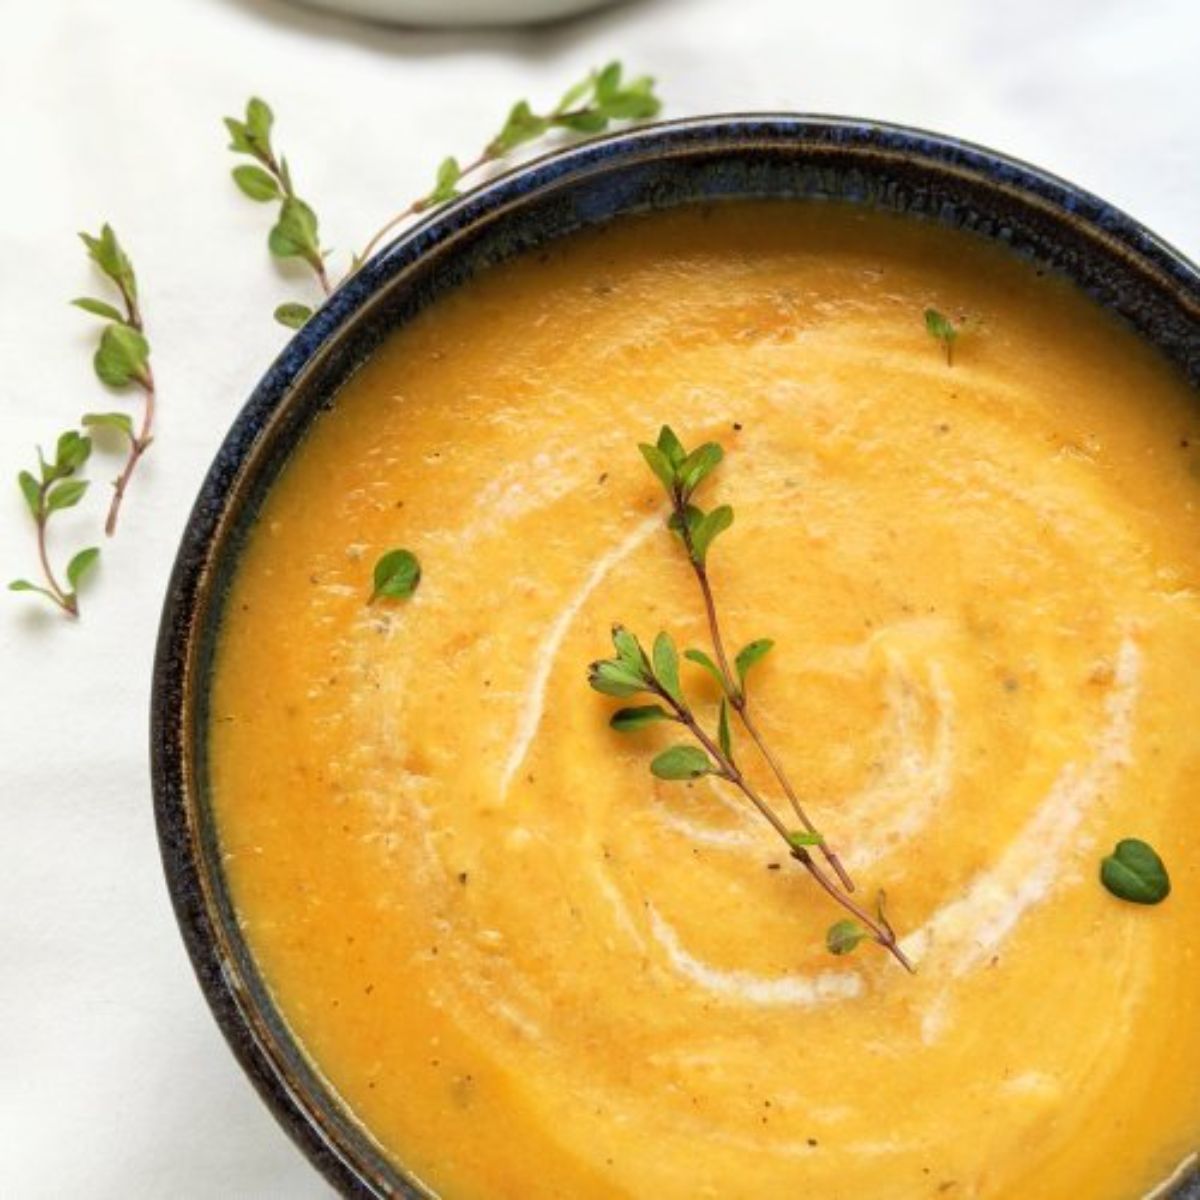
(1134, 872)
(801, 839)
(753, 652)
(939, 326)
(613, 677)
(666, 666)
(660, 464)
(724, 736)
(707, 530)
(682, 762)
(843, 937)
(700, 658)
(396, 575)
(628, 720)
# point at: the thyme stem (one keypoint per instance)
(415, 208)
(64, 600)
(488, 155)
(139, 443)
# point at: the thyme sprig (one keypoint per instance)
(121, 360)
(588, 107)
(56, 488)
(680, 474)
(295, 233)
(634, 672)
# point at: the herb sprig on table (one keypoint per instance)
(54, 488)
(588, 107)
(633, 672)
(121, 360)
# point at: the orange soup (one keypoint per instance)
(532, 969)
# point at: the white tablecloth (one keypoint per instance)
(114, 1081)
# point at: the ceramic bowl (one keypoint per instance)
(806, 159)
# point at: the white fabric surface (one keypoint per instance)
(114, 1081)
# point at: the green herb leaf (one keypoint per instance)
(32, 493)
(79, 566)
(239, 136)
(23, 585)
(576, 92)
(666, 666)
(671, 446)
(724, 736)
(1134, 872)
(692, 515)
(682, 762)
(750, 654)
(523, 125)
(843, 936)
(396, 576)
(658, 462)
(446, 187)
(627, 720)
(629, 649)
(801, 839)
(698, 656)
(99, 308)
(106, 252)
(122, 356)
(708, 529)
(590, 121)
(698, 465)
(256, 183)
(607, 84)
(119, 421)
(615, 679)
(941, 327)
(294, 234)
(71, 452)
(66, 494)
(294, 316)
(635, 103)
(259, 119)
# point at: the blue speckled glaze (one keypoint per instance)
(809, 159)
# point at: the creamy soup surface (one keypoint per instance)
(531, 969)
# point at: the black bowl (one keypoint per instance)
(808, 159)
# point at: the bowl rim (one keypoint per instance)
(340, 1149)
